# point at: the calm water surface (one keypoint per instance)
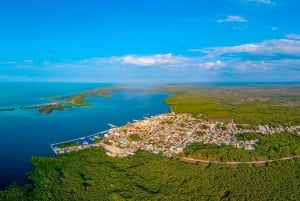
(25, 133)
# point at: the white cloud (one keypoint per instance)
(268, 2)
(215, 65)
(247, 66)
(167, 62)
(232, 18)
(293, 36)
(153, 60)
(272, 66)
(268, 47)
(275, 58)
(267, 58)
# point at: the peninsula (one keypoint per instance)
(66, 102)
(245, 140)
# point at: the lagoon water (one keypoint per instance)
(26, 133)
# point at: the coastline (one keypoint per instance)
(24, 128)
(164, 91)
(172, 135)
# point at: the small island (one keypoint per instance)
(215, 144)
(7, 109)
(47, 108)
(66, 102)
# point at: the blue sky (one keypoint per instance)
(150, 41)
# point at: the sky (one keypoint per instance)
(150, 41)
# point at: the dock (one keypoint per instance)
(112, 126)
(79, 143)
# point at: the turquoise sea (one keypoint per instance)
(25, 133)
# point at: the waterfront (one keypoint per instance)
(25, 133)
(169, 134)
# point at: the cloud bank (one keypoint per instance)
(268, 60)
(159, 59)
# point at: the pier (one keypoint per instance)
(112, 126)
(77, 143)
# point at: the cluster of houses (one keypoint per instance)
(266, 129)
(171, 133)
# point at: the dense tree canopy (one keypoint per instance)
(273, 106)
(92, 175)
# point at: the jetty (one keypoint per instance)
(169, 134)
(112, 126)
(77, 143)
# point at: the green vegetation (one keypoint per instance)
(92, 175)
(167, 122)
(204, 126)
(200, 133)
(7, 109)
(47, 109)
(67, 144)
(134, 137)
(270, 146)
(97, 140)
(249, 106)
(241, 127)
(78, 100)
(273, 106)
(106, 141)
(221, 126)
(16, 193)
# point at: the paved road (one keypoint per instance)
(241, 162)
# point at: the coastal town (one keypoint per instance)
(169, 134)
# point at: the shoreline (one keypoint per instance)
(165, 134)
(35, 123)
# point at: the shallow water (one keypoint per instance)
(25, 133)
